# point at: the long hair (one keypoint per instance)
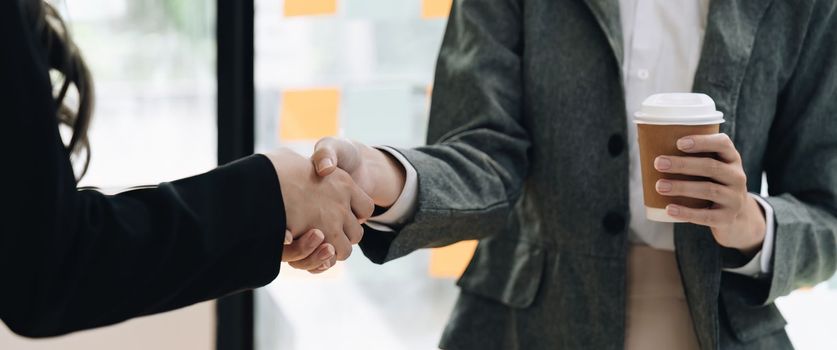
(65, 58)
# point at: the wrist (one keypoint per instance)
(390, 177)
(756, 227)
(291, 169)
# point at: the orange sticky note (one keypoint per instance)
(451, 261)
(435, 8)
(308, 114)
(310, 7)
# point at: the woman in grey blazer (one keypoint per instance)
(530, 152)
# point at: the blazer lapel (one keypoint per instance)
(728, 42)
(727, 45)
(607, 15)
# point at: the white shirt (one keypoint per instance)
(662, 41)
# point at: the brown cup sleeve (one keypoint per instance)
(657, 140)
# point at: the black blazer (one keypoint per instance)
(71, 259)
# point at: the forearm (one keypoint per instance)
(801, 162)
(805, 251)
(472, 171)
(146, 251)
(459, 197)
(755, 227)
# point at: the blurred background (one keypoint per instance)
(362, 69)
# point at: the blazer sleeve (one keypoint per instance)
(71, 260)
(801, 165)
(472, 172)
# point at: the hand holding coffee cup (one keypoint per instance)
(692, 173)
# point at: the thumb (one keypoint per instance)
(332, 153)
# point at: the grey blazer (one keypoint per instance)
(527, 153)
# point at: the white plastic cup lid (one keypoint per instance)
(678, 109)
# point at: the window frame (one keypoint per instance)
(236, 116)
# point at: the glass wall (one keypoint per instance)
(350, 68)
(153, 63)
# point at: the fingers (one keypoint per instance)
(714, 143)
(302, 246)
(352, 229)
(324, 158)
(362, 205)
(324, 253)
(706, 217)
(331, 153)
(320, 269)
(340, 241)
(724, 173)
(302, 254)
(325, 266)
(341, 249)
(698, 189)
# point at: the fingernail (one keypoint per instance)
(324, 163)
(685, 143)
(673, 210)
(663, 186)
(326, 253)
(662, 163)
(289, 238)
(319, 234)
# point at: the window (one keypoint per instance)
(153, 63)
(354, 69)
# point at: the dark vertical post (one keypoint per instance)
(235, 79)
(235, 322)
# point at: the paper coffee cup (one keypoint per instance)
(661, 121)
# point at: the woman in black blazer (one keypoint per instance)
(71, 259)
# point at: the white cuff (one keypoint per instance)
(405, 206)
(760, 264)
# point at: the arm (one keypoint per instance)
(105, 259)
(102, 259)
(801, 169)
(77, 259)
(802, 166)
(472, 172)
(74, 259)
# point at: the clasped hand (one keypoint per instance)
(323, 214)
(329, 197)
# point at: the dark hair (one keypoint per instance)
(65, 58)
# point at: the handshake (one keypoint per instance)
(328, 197)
